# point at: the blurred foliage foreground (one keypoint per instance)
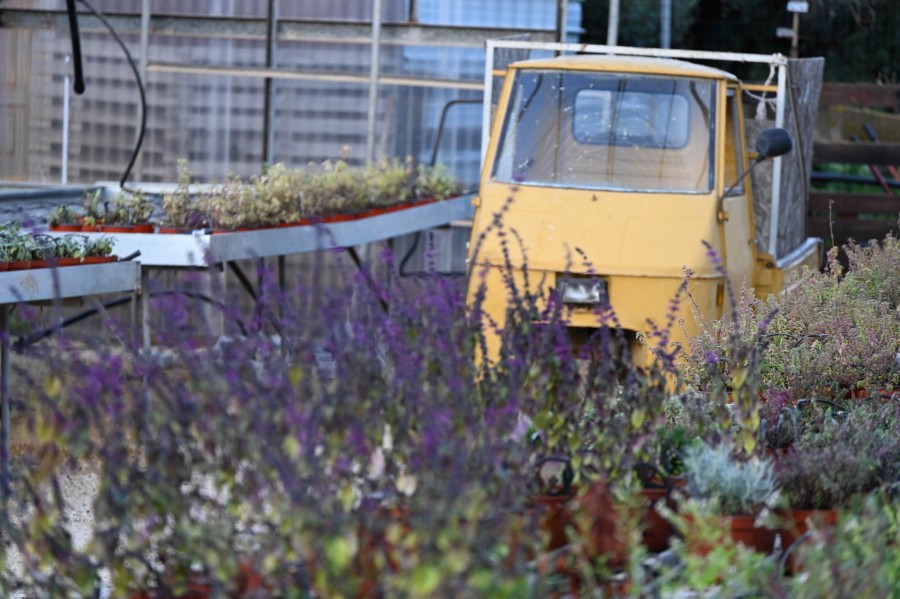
(338, 450)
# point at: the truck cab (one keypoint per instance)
(612, 171)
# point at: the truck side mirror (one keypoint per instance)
(770, 143)
(773, 142)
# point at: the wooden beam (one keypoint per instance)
(856, 203)
(852, 152)
(844, 229)
(861, 94)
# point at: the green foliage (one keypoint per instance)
(731, 486)
(283, 195)
(860, 558)
(857, 38)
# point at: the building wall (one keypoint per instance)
(216, 122)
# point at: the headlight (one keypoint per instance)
(581, 290)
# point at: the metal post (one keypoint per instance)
(561, 18)
(142, 67)
(665, 24)
(373, 78)
(413, 11)
(268, 151)
(612, 31)
(795, 38)
(777, 166)
(4, 399)
(487, 100)
(64, 168)
(145, 307)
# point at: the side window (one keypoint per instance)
(734, 159)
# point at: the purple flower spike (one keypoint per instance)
(711, 357)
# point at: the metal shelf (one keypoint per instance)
(201, 249)
(40, 284)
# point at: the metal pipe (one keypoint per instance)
(4, 399)
(163, 67)
(665, 24)
(561, 19)
(142, 66)
(487, 99)
(777, 166)
(612, 30)
(373, 78)
(413, 11)
(64, 167)
(268, 149)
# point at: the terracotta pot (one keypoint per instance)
(90, 228)
(99, 259)
(4, 266)
(797, 525)
(40, 263)
(144, 228)
(741, 529)
(18, 264)
(555, 517)
(173, 231)
(338, 218)
(377, 553)
(68, 262)
(605, 538)
(66, 227)
(117, 228)
(744, 531)
(658, 531)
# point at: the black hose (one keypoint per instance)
(78, 64)
(32, 338)
(137, 78)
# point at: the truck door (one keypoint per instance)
(737, 208)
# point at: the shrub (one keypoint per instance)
(731, 486)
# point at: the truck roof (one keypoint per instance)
(631, 64)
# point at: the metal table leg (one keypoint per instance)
(4, 399)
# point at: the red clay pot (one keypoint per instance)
(99, 259)
(658, 531)
(144, 228)
(117, 228)
(66, 227)
(798, 524)
(18, 264)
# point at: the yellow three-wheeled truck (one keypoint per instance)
(634, 157)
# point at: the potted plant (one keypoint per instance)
(335, 192)
(182, 211)
(22, 249)
(435, 183)
(65, 218)
(735, 490)
(129, 213)
(94, 211)
(98, 250)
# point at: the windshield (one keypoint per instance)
(608, 131)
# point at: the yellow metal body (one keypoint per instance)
(639, 242)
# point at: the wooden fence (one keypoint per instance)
(845, 110)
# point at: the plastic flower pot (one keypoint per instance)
(144, 228)
(173, 231)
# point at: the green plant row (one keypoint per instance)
(17, 244)
(277, 195)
